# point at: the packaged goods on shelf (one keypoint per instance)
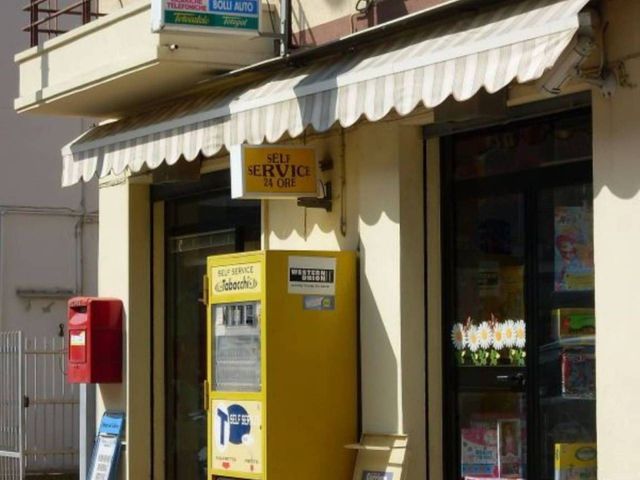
(567, 368)
(572, 322)
(479, 452)
(575, 461)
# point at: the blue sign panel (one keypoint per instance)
(112, 423)
(235, 7)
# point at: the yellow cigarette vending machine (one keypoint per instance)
(281, 389)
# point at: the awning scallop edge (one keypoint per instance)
(518, 41)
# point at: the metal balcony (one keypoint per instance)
(49, 18)
(101, 59)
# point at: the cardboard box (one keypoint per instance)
(509, 448)
(479, 452)
(568, 371)
(578, 374)
(575, 461)
(572, 322)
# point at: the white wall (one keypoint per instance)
(37, 249)
(616, 237)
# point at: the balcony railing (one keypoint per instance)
(108, 67)
(49, 18)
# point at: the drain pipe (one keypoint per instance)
(79, 233)
(79, 253)
(81, 215)
(2, 255)
(87, 393)
(285, 27)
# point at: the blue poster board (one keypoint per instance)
(106, 449)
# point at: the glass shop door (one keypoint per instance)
(519, 317)
(197, 224)
(489, 335)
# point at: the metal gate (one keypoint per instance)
(11, 406)
(39, 411)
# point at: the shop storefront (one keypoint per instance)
(519, 317)
(486, 260)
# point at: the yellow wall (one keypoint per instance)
(124, 273)
(381, 205)
(434, 308)
(383, 188)
(616, 237)
(382, 208)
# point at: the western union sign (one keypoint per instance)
(274, 171)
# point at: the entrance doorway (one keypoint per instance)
(519, 329)
(200, 220)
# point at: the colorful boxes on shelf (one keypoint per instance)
(578, 374)
(575, 461)
(510, 448)
(568, 369)
(572, 322)
(479, 452)
(492, 452)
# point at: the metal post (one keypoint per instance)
(87, 427)
(285, 27)
(21, 390)
(2, 260)
(86, 11)
(33, 28)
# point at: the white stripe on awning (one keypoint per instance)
(518, 41)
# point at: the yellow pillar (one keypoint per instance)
(124, 273)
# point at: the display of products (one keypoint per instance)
(509, 449)
(568, 369)
(575, 461)
(572, 322)
(493, 449)
(574, 248)
(479, 452)
(237, 361)
(578, 374)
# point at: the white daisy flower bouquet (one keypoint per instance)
(487, 342)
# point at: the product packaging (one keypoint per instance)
(578, 374)
(573, 322)
(575, 461)
(479, 453)
(509, 449)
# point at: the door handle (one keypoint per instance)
(515, 380)
(205, 291)
(205, 388)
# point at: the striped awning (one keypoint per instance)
(516, 41)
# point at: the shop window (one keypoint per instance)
(198, 224)
(523, 147)
(519, 302)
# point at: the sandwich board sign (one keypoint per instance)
(216, 16)
(107, 446)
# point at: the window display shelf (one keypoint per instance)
(563, 399)
(570, 342)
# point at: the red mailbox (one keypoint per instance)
(95, 340)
